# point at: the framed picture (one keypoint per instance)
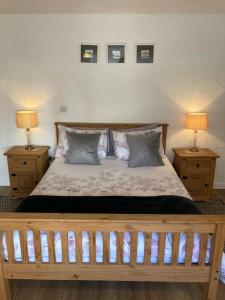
(144, 54)
(89, 53)
(116, 53)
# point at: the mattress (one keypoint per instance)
(112, 248)
(111, 178)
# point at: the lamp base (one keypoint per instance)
(194, 149)
(29, 147)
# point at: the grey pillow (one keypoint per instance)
(83, 148)
(111, 148)
(144, 150)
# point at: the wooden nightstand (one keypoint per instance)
(26, 168)
(196, 170)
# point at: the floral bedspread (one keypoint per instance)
(111, 178)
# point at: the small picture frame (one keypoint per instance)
(89, 53)
(116, 53)
(144, 54)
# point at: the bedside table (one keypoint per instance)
(196, 171)
(26, 168)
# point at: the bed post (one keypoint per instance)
(216, 262)
(4, 283)
(164, 136)
(57, 133)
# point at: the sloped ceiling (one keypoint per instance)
(112, 6)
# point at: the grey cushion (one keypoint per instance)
(144, 150)
(111, 149)
(83, 148)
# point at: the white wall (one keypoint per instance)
(40, 68)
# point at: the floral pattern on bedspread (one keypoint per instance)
(111, 181)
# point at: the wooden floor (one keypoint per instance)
(66, 290)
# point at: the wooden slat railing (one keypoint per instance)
(206, 227)
(106, 248)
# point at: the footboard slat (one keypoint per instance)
(23, 244)
(10, 246)
(92, 247)
(133, 248)
(161, 248)
(79, 256)
(106, 247)
(119, 247)
(37, 246)
(175, 248)
(203, 248)
(51, 247)
(65, 249)
(189, 249)
(147, 249)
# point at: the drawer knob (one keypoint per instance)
(24, 162)
(13, 174)
(197, 165)
(206, 185)
(185, 177)
(15, 189)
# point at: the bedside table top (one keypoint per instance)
(203, 152)
(20, 150)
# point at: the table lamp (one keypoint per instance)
(27, 119)
(196, 121)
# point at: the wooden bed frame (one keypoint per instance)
(206, 226)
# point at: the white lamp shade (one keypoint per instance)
(26, 119)
(197, 121)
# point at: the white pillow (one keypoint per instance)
(120, 142)
(62, 146)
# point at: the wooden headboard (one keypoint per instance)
(114, 126)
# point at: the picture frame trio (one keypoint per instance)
(116, 53)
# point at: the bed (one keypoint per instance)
(111, 246)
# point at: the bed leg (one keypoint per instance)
(4, 285)
(216, 262)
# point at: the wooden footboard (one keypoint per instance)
(206, 226)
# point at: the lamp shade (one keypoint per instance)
(197, 121)
(26, 119)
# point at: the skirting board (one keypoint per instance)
(219, 186)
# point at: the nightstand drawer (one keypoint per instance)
(200, 165)
(23, 182)
(197, 184)
(24, 163)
